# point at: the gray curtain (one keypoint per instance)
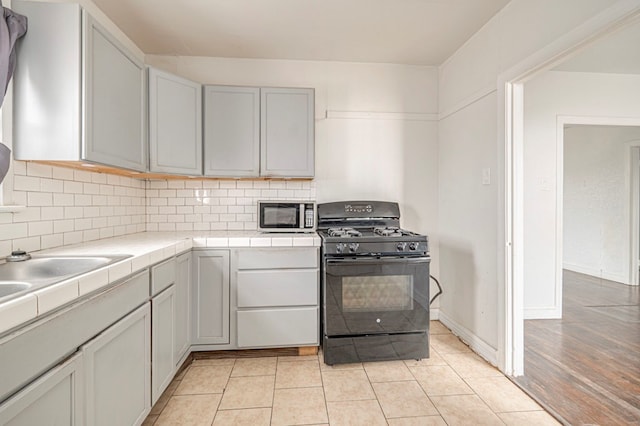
(12, 27)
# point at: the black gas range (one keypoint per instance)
(375, 279)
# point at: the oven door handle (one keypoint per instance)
(364, 260)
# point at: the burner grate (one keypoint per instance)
(389, 231)
(343, 232)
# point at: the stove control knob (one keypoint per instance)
(401, 246)
(413, 246)
(353, 247)
(338, 248)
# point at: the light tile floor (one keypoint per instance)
(453, 387)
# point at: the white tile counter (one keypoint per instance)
(144, 249)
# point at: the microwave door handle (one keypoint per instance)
(301, 209)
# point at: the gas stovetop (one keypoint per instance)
(377, 241)
(378, 231)
(367, 228)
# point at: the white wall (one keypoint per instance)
(472, 228)
(547, 97)
(467, 238)
(368, 157)
(596, 196)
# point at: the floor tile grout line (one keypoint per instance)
(273, 394)
(324, 392)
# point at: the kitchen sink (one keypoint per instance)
(17, 278)
(8, 288)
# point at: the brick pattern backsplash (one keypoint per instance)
(210, 205)
(67, 206)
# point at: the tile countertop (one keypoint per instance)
(145, 249)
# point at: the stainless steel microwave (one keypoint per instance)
(286, 216)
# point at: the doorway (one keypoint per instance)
(582, 364)
(511, 87)
(599, 200)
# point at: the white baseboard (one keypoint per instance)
(434, 314)
(554, 312)
(581, 269)
(478, 345)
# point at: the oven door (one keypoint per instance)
(376, 296)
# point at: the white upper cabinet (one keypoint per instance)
(115, 121)
(79, 94)
(231, 131)
(255, 132)
(175, 124)
(287, 132)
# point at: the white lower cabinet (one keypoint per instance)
(210, 315)
(277, 297)
(53, 399)
(182, 321)
(163, 312)
(117, 367)
(162, 341)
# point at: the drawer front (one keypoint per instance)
(287, 287)
(278, 258)
(278, 327)
(162, 276)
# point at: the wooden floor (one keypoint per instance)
(586, 366)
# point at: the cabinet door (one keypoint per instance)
(287, 132)
(175, 124)
(46, 89)
(117, 372)
(162, 341)
(210, 298)
(231, 131)
(53, 399)
(114, 94)
(183, 299)
(278, 327)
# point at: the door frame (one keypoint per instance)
(634, 210)
(510, 86)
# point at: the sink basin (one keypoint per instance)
(8, 288)
(20, 277)
(47, 268)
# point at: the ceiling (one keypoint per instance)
(617, 53)
(416, 32)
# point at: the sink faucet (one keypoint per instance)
(18, 256)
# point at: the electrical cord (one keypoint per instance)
(435, 296)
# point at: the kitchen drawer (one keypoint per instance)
(278, 258)
(278, 327)
(162, 276)
(288, 287)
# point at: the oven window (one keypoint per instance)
(377, 293)
(280, 216)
